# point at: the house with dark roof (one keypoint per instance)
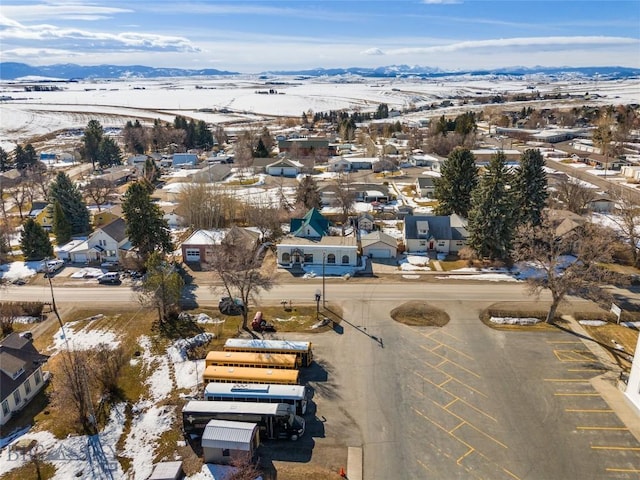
(106, 244)
(312, 225)
(184, 160)
(425, 187)
(437, 234)
(21, 375)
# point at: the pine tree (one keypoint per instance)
(459, 177)
(491, 219)
(108, 153)
(61, 226)
(66, 193)
(35, 243)
(5, 161)
(261, 150)
(93, 134)
(530, 188)
(307, 193)
(146, 228)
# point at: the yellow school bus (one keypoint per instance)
(240, 375)
(251, 359)
(302, 350)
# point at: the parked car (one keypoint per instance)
(111, 278)
(111, 266)
(51, 267)
(231, 306)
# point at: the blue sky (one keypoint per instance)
(266, 35)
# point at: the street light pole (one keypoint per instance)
(324, 295)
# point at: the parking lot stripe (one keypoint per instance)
(458, 365)
(563, 341)
(423, 465)
(601, 428)
(577, 380)
(454, 349)
(577, 394)
(623, 470)
(457, 427)
(593, 410)
(471, 450)
(573, 355)
(607, 447)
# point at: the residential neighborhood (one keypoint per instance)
(380, 291)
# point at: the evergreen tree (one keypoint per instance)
(151, 172)
(261, 150)
(66, 193)
(109, 153)
(146, 228)
(203, 136)
(5, 161)
(35, 242)
(459, 177)
(307, 193)
(530, 190)
(491, 219)
(61, 226)
(93, 134)
(20, 158)
(31, 157)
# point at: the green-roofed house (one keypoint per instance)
(309, 246)
(312, 225)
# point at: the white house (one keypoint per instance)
(284, 167)
(423, 160)
(105, 244)
(425, 187)
(438, 234)
(633, 384)
(379, 245)
(21, 375)
(349, 164)
(328, 251)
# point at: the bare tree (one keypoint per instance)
(266, 219)
(244, 468)
(40, 179)
(8, 314)
(206, 206)
(573, 195)
(107, 364)
(628, 220)
(239, 268)
(345, 196)
(99, 190)
(569, 263)
(20, 196)
(71, 389)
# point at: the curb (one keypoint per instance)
(354, 463)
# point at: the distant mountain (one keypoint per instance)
(69, 71)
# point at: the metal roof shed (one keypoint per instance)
(224, 440)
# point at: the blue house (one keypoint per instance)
(184, 160)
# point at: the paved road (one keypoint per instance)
(336, 290)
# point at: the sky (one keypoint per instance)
(264, 35)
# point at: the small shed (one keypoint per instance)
(167, 471)
(224, 440)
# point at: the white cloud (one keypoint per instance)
(73, 11)
(75, 39)
(558, 42)
(39, 53)
(373, 51)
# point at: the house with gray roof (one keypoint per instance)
(379, 245)
(437, 234)
(106, 244)
(184, 160)
(21, 375)
(425, 187)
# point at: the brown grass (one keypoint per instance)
(420, 314)
(47, 470)
(625, 336)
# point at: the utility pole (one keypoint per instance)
(324, 293)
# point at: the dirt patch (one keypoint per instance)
(420, 314)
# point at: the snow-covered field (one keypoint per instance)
(27, 114)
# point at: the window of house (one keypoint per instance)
(331, 258)
(16, 397)
(441, 244)
(423, 243)
(5, 408)
(38, 377)
(345, 259)
(226, 452)
(286, 258)
(308, 258)
(27, 387)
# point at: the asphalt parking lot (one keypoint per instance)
(466, 401)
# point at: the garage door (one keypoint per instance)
(80, 258)
(379, 253)
(193, 255)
